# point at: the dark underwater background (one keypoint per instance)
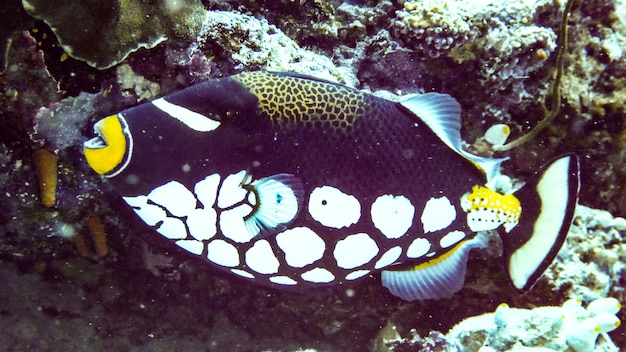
(79, 272)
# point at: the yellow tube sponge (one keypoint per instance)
(98, 235)
(45, 164)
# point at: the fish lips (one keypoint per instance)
(110, 151)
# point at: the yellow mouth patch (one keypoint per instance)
(487, 209)
(108, 152)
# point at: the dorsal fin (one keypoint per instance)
(442, 114)
(303, 76)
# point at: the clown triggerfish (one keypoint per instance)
(289, 180)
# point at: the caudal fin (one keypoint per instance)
(548, 202)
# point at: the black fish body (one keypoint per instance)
(389, 144)
(293, 181)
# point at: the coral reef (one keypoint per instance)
(541, 328)
(513, 329)
(592, 264)
(60, 124)
(433, 28)
(135, 86)
(593, 91)
(103, 33)
(27, 85)
(14, 21)
(288, 16)
(124, 290)
(507, 41)
(249, 43)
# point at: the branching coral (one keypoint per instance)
(433, 27)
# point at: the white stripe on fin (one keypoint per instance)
(438, 278)
(279, 200)
(548, 202)
(192, 119)
(442, 114)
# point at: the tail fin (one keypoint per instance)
(548, 201)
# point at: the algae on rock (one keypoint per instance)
(103, 33)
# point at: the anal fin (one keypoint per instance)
(438, 278)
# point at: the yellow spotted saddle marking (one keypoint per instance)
(292, 101)
(506, 207)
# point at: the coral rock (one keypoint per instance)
(103, 33)
(252, 43)
(541, 328)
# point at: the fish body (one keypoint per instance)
(292, 181)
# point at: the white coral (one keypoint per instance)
(543, 328)
(598, 319)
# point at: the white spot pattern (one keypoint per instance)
(172, 228)
(392, 215)
(333, 208)
(242, 273)
(261, 258)
(451, 238)
(222, 253)
(438, 214)
(418, 248)
(181, 203)
(232, 223)
(390, 256)
(206, 190)
(150, 214)
(283, 280)
(357, 274)
(202, 223)
(355, 250)
(318, 275)
(191, 246)
(301, 245)
(174, 197)
(231, 191)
